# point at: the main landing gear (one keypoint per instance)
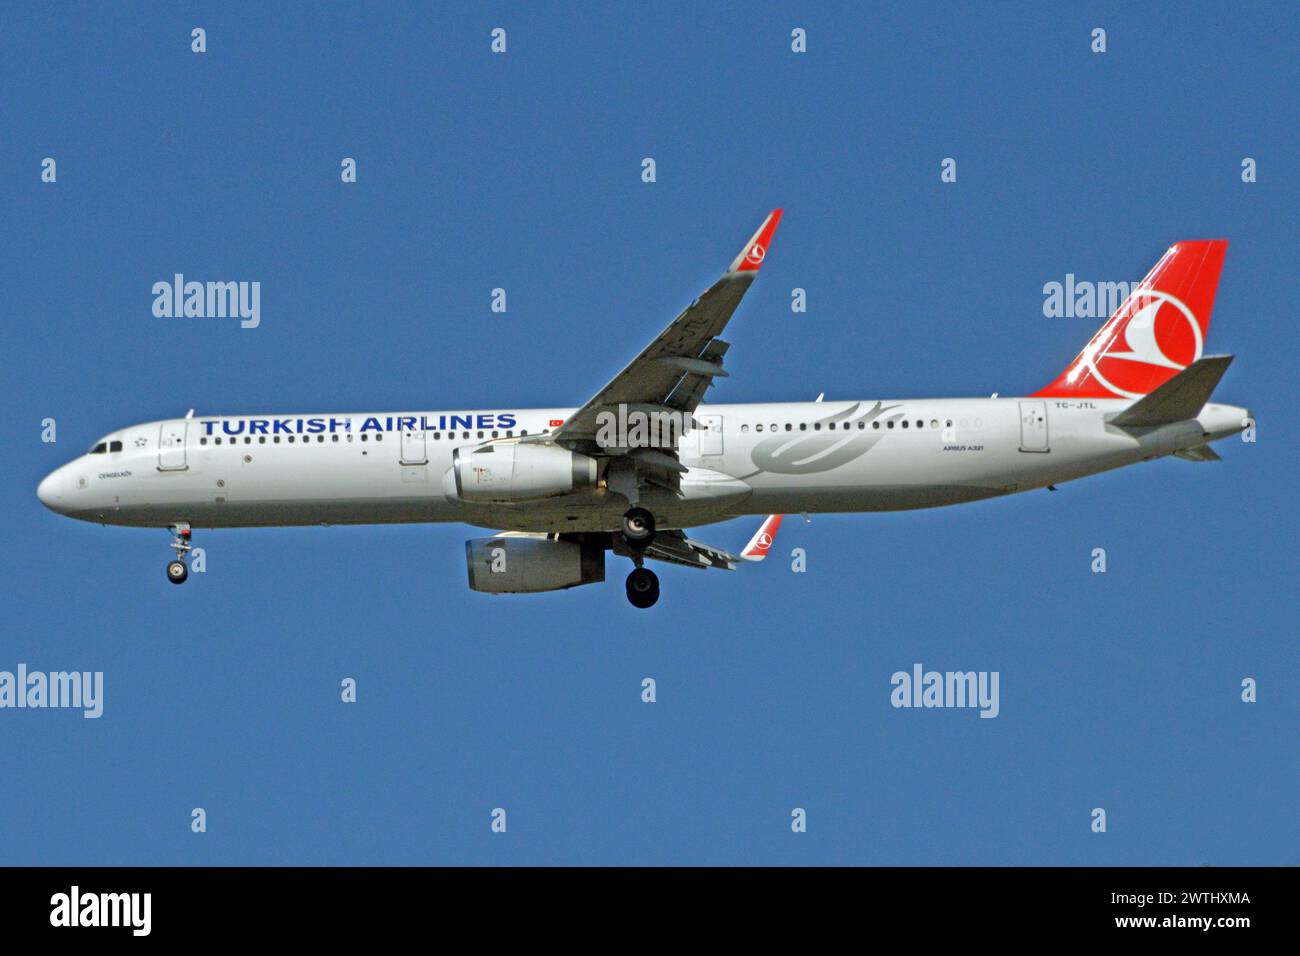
(637, 532)
(178, 570)
(638, 528)
(642, 587)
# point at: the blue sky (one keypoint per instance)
(1119, 690)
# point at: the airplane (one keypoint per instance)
(646, 458)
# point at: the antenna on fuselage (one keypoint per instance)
(190, 413)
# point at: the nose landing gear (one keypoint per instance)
(178, 570)
(642, 587)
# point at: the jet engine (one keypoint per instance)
(520, 471)
(521, 564)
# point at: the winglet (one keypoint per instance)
(761, 543)
(755, 251)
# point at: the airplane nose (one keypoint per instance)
(50, 491)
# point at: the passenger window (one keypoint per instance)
(261, 439)
(379, 436)
(276, 439)
(290, 440)
(334, 437)
(890, 424)
(817, 426)
(803, 426)
(788, 426)
(905, 423)
(919, 423)
(248, 440)
(875, 424)
(758, 428)
(744, 428)
(365, 436)
(203, 441)
(218, 439)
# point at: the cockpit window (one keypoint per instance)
(99, 449)
(115, 446)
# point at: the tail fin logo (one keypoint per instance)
(756, 254)
(1160, 331)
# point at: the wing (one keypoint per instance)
(675, 548)
(674, 370)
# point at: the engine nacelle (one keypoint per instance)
(523, 564)
(517, 471)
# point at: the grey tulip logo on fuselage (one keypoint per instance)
(809, 452)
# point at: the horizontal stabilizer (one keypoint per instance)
(1198, 453)
(1178, 400)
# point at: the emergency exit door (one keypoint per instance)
(414, 451)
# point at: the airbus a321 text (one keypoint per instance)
(645, 457)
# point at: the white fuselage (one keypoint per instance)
(742, 460)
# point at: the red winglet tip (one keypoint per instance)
(755, 251)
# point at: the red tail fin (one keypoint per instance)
(1157, 332)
